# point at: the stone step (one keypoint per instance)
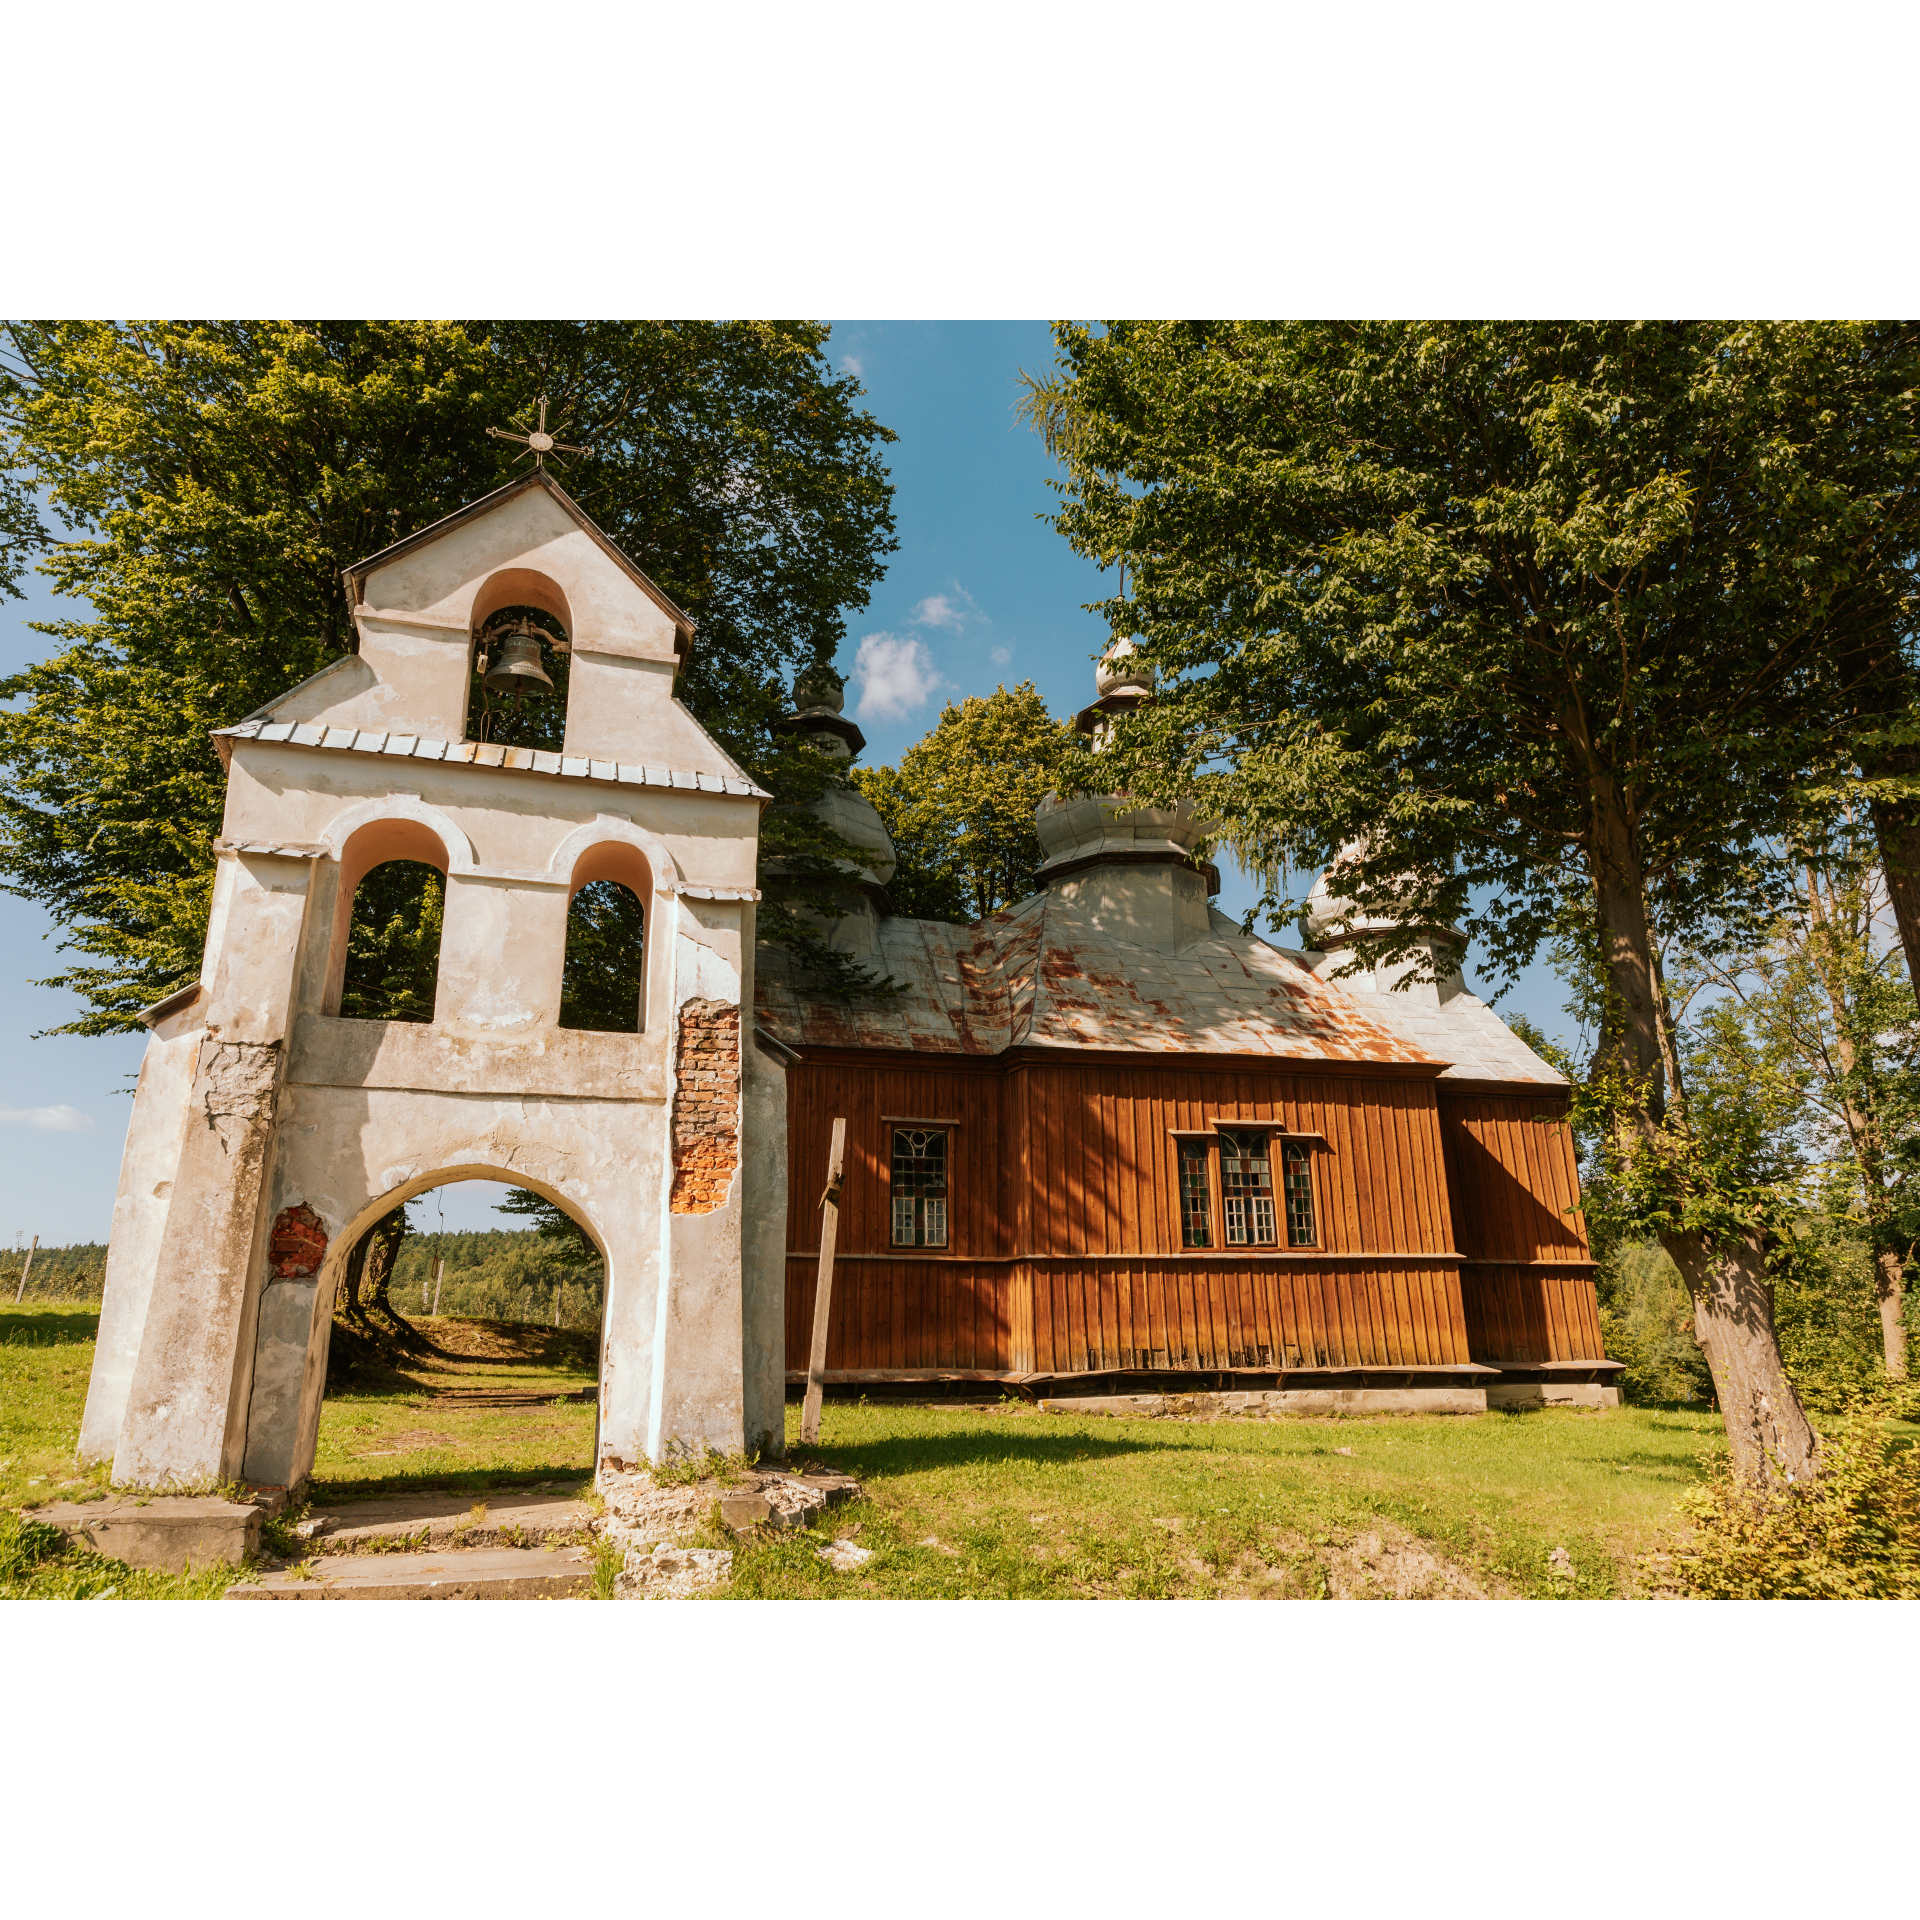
(441, 1522)
(168, 1532)
(485, 1573)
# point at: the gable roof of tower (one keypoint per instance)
(357, 573)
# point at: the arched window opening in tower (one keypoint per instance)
(518, 688)
(604, 975)
(393, 944)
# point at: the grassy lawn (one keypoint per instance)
(409, 1431)
(46, 1354)
(984, 1502)
(1016, 1503)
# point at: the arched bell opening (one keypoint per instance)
(522, 652)
(603, 977)
(386, 949)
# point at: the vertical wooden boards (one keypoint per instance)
(1513, 1176)
(1064, 1251)
(1519, 1315)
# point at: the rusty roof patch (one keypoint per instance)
(1032, 976)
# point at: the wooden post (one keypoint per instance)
(823, 1286)
(439, 1271)
(26, 1269)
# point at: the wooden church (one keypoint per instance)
(1105, 1143)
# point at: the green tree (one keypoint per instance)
(212, 480)
(1819, 1024)
(393, 946)
(551, 1224)
(959, 807)
(605, 967)
(1545, 613)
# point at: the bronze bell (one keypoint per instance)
(516, 667)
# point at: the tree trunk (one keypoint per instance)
(1631, 1037)
(1898, 833)
(1767, 1428)
(1882, 691)
(365, 1299)
(1863, 1134)
(1889, 1286)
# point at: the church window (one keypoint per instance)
(1246, 1190)
(1196, 1195)
(1301, 1230)
(919, 1187)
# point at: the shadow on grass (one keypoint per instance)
(48, 1326)
(567, 1482)
(905, 1454)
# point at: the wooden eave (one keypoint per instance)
(1039, 1056)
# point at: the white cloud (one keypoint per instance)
(854, 365)
(896, 674)
(1000, 656)
(952, 611)
(51, 1119)
(938, 611)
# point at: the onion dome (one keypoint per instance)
(818, 697)
(817, 717)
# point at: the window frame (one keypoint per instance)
(1210, 1145)
(920, 1200)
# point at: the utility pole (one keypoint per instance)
(26, 1268)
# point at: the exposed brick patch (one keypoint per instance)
(706, 1106)
(299, 1244)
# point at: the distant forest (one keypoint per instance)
(58, 1273)
(500, 1275)
(496, 1275)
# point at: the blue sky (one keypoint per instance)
(981, 591)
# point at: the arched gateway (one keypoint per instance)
(268, 1132)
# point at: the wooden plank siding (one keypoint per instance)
(1064, 1247)
(1526, 1280)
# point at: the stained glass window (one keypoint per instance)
(1196, 1195)
(1299, 1181)
(1246, 1190)
(919, 1187)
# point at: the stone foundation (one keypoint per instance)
(1312, 1402)
(1553, 1393)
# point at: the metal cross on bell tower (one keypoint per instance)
(539, 442)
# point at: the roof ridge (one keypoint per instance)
(415, 746)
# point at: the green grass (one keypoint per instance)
(1020, 1503)
(390, 1438)
(370, 1443)
(1029, 1504)
(46, 1355)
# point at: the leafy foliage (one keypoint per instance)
(557, 1229)
(1646, 1322)
(605, 967)
(1462, 590)
(215, 478)
(393, 943)
(1851, 1534)
(959, 807)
